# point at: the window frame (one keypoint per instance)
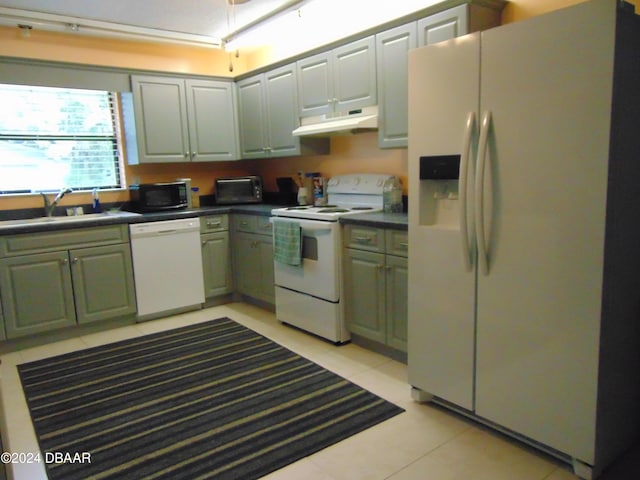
(116, 139)
(47, 73)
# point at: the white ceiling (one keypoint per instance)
(315, 22)
(215, 18)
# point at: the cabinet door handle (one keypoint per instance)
(204, 242)
(364, 239)
(64, 261)
(74, 260)
(211, 224)
(404, 245)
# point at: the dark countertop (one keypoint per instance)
(12, 227)
(395, 221)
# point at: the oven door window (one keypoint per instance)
(309, 247)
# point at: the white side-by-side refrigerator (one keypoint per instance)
(524, 229)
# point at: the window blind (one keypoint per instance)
(57, 137)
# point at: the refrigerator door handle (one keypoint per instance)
(462, 189)
(483, 256)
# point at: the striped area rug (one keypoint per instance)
(212, 400)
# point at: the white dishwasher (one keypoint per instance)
(167, 265)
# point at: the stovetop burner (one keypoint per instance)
(333, 210)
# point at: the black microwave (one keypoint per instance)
(154, 197)
(239, 190)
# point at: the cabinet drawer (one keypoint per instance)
(214, 223)
(264, 226)
(252, 224)
(397, 242)
(364, 238)
(245, 223)
(27, 243)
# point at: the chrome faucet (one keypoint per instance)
(50, 206)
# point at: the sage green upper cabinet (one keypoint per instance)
(442, 26)
(392, 65)
(268, 114)
(392, 47)
(251, 117)
(282, 111)
(213, 131)
(340, 80)
(183, 120)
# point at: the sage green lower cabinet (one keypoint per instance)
(396, 269)
(364, 288)
(37, 293)
(63, 278)
(216, 255)
(217, 267)
(102, 282)
(375, 284)
(253, 257)
(3, 336)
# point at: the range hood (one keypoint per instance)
(364, 119)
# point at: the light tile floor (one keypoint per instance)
(424, 443)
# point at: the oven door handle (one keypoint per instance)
(319, 227)
(315, 230)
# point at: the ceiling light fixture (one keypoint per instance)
(232, 40)
(27, 19)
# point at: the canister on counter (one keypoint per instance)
(319, 191)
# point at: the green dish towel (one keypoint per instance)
(287, 242)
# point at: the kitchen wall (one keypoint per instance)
(349, 154)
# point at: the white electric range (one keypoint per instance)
(309, 295)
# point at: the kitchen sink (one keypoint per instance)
(69, 219)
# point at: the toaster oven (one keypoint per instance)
(246, 189)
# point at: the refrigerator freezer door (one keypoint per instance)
(441, 338)
(547, 83)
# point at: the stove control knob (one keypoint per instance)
(356, 181)
(333, 182)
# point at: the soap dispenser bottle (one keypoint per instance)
(96, 201)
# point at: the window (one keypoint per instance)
(52, 138)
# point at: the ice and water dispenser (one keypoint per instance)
(439, 194)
